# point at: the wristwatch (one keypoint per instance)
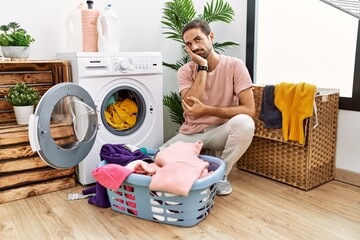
(200, 68)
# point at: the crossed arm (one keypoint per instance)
(194, 107)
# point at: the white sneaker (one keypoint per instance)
(223, 187)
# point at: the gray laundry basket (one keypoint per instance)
(135, 199)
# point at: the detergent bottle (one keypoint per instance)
(108, 30)
(81, 27)
(74, 30)
(89, 19)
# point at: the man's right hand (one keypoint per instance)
(195, 57)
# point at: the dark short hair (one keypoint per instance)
(197, 23)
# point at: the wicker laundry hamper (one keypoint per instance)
(304, 166)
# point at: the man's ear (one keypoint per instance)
(211, 37)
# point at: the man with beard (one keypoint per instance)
(217, 99)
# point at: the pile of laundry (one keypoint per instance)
(121, 114)
(173, 169)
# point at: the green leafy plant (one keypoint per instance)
(173, 102)
(13, 35)
(22, 95)
(179, 12)
(176, 14)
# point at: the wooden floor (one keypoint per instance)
(258, 208)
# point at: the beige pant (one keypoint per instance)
(231, 139)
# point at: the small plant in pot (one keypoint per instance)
(23, 98)
(15, 41)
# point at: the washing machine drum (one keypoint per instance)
(64, 126)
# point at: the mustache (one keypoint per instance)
(198, 50)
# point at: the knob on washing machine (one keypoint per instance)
(124, 64)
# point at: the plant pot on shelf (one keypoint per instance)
(23, 98)
(16, 52)
(23, 113)
(15, 41)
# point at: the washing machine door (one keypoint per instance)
(63, 128)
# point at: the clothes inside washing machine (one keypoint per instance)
(122, 110)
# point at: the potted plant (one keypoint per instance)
(23, 98)
(15, 41)
(176, 14)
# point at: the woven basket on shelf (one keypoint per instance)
(304, 166)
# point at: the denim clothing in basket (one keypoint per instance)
(269, 113)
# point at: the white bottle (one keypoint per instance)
(74, 30)
(108, 30)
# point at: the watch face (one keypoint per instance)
(205, 68)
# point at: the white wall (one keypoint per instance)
(325, 58)
(141, 30)
(347, 148)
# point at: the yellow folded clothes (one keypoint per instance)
(295, 101)
(121, 114)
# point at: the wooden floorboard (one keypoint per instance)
(258, 208)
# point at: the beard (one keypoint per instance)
(203, 52)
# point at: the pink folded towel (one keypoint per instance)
(111, 175)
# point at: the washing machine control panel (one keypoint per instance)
(136, 65)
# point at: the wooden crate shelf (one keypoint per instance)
(22, 172)
(41, 75)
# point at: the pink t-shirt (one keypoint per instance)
(228, 79)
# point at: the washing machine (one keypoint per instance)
(100, 81)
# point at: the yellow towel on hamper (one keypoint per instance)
(295, 101)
